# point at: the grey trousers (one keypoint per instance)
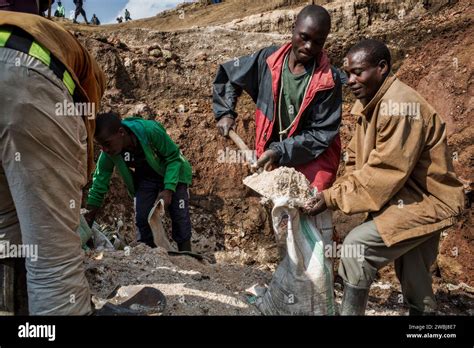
(42, 172)
(413, 259)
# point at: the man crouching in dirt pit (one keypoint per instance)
(152, 168)
(399, 172)
(299, 99)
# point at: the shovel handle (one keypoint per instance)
(242, 146)
(238, 141)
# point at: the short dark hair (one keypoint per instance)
(318, 13)
(107, 124)
(376, 51)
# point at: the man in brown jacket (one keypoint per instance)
(50, 89)
(399, 172)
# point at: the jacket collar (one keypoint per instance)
(322, 78)
(359, 110)
(322, 75)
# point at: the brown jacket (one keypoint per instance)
(85, 71)
(399, 166)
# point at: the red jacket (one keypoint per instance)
(313, 146)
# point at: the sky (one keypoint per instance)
(108, 10)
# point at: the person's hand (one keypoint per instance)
(225, 124)
(166, 196)
(91, 214)
(315, 205)
(268, 161)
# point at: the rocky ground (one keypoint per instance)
(162, 68)
(195, 287)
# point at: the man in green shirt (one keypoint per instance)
(152, 168)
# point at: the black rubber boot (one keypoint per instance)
(428, 310)
(185, 246)
(7, 288)
(416, 313)
(13, 292)
(148, 241)
(21, 291)
(354, 300)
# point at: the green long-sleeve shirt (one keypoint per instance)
(161, 153)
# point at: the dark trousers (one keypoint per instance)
(147, 190)
(80, 10)
(413, 259)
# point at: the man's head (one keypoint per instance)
(367, 64)
(59, 3)
(110, 133)
(310, 31)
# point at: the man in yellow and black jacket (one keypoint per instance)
(45, 157)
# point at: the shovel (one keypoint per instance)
(160, 237)
(133, 300)
(154, 220)
(242, 147)
(252, 180)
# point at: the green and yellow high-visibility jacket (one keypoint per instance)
(161, 153)
(58, 49)
(61, 10)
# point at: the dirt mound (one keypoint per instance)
(195, 287)
(441, 69)
(191, 287)
(138, 81)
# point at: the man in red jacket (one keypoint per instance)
(298, 96)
